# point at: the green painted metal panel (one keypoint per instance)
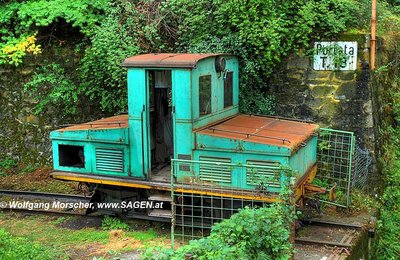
(111, 159)
(215, 172)
(218, 112)
(87, 149)
(182, 94)
(207, 142)
(115, 135)
(100, 158)
(138, 123)
(269, 176)
(268, 149)
(305, 157)
(238, 174)
(182, 117)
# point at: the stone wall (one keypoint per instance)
(335, 99)
(24, 136)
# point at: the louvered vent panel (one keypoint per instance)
(215, 172)
(267, 176)
(110, 160)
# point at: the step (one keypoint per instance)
(160, 213)
(160, 197)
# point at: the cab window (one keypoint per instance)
(228, 90)
(204, 95)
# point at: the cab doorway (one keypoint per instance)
(161, 128)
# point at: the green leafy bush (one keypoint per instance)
(102, 78)
(262, 33)
(20, 248)
(252, 233)
(110, 223)
(20, 21)
(53, 89)
(7, 163)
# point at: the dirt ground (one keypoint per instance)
(38, 180)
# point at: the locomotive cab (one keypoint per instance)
(185, 107)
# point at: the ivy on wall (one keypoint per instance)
(262, 33)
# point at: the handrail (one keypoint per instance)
(91, 124)
(286, 118)
(249, 134)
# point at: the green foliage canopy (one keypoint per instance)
(22, 19)
(261, 32)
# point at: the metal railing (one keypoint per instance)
(199, 203)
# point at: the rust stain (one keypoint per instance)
(120, 121)
(167, 60)
(264, 130)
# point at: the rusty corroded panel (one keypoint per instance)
(120, 121)
(166, 60)
(264, 130)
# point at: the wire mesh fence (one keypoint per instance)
(362, 161)
(198, 202)
(335, 161)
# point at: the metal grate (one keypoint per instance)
(269, 176)
(198, 204)
(335, 162)
(110, 160)
(215, 172)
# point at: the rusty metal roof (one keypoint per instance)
(120, 121)
(167, 60)
(264, 130)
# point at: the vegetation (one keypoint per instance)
(387, 81)
(110, 223)
(252, 233)
(71, 237)
(20, 248)
(262, 35)
(261, 32)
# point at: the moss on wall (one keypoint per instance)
(24, 136)
(335, 99)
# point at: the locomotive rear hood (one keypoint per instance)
(247, 132)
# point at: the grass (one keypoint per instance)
(49, 234)
(13, 247)
(362, 201)
(47, 231)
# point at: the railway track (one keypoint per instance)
(44, 202)
(335, 240)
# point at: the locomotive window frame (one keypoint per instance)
(228, 89)
(205, 95)
(71, 156)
